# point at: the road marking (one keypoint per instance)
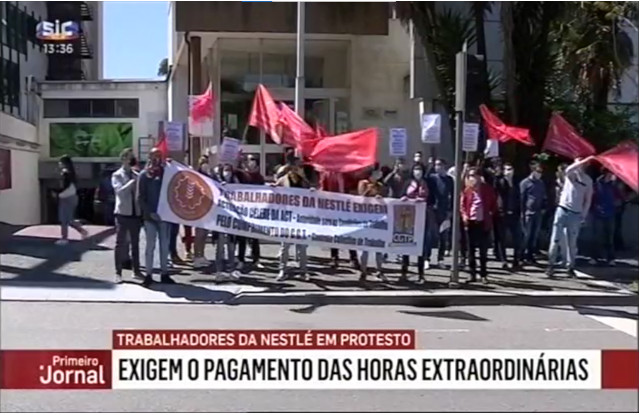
(443, 331)
(575, 329)
(626, 325)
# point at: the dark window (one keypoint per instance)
(102, 108)
(9, 85)
(56, 108)
(127, 108)
(80, 108)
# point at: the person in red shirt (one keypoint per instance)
(340, 183)
(478, 207)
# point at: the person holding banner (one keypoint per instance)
(573, 208)
(251, 175)
(200, 241)
(292, 178)
(372, 187)
(417, 190)
(148, 194)
(228, 263)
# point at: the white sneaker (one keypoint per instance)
(427, 265)
(200, 262)
(259, 265)
(62, 242)
(282, 275)
(441, 265)
(235, 274)
(118, 279)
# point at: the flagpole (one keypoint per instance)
(299, 100)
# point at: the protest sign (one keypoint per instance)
(174, 134)
(229, 150)
(470, 137)
(297, 216)
(431, 128)
(492, 149)
(398, 142)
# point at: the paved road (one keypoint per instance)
(72, 325)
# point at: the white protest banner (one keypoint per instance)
(470, 133)
(297, 216)
(431, 128)
(492, 149)
(174, 133)
(398, 142)
(229, 150)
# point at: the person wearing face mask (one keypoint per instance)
(477, 208)
(128, 216)
(573, 208)
(226, 244)
(396, 181)
(293, 178)
(441, 201)
(604, 212)
(200, 240)
(507, 219)
(533, 199)
(148, 197)
(417, 190)
(372, 187)
(250, 175)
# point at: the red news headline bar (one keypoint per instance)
(55, 369)
(264, 339)
(619, 369)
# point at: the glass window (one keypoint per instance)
(102, 108)
(80, 108)
(127, 108)
(56, 108)
(239, 71)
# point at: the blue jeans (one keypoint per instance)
(565, 231)
(531, 228)
(66, 211)
(157, 230)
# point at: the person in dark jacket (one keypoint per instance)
(508, 215)
(250, 175)
(441, 202)
(604, 213)
(417, 190)
(148, 194)
(533, 199)
(68, 201)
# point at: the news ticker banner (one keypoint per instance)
(309, 359)
(291, 215)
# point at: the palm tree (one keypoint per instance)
(163, 67)
(478, 11)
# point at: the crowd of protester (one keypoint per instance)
(496, 208)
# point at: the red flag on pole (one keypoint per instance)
(201, 113)
(295, 131)
(498, 130)
(564, 140)
(265, 114)
(346, 152)
(162, 143)
(622, 160)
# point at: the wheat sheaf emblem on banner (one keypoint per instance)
(190, 197)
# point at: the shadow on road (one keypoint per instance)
(453, 314)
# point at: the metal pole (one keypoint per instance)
(299, 102)
(461, 95)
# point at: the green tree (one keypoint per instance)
(163, 67)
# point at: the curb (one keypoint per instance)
(436, 299)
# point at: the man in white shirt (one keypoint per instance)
(573, 208)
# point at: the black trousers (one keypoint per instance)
(478, 239)
(503, 225)
(335, 254)
(242, 248)
(127, 234)
(405, 265)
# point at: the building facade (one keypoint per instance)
(23, 63)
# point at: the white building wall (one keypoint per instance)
(152, 98)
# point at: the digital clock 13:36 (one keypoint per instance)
(58, 48)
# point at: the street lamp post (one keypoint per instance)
(299, 100)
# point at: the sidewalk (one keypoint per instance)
(32, 268)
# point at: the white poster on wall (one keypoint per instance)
(470, 134)
(492, 149)
(431, 128)
(174, 132)
(397, 142)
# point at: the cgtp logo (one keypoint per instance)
(57, 30)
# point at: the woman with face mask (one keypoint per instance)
(226, 243)
(372, 187)
(417, 190)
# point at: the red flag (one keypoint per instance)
(564, 140)
(295, 131)
(346, 152)
(265, 114)
(162, 144)
(498, 130)
(622, 160)
(202, 105)
(320, 131)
